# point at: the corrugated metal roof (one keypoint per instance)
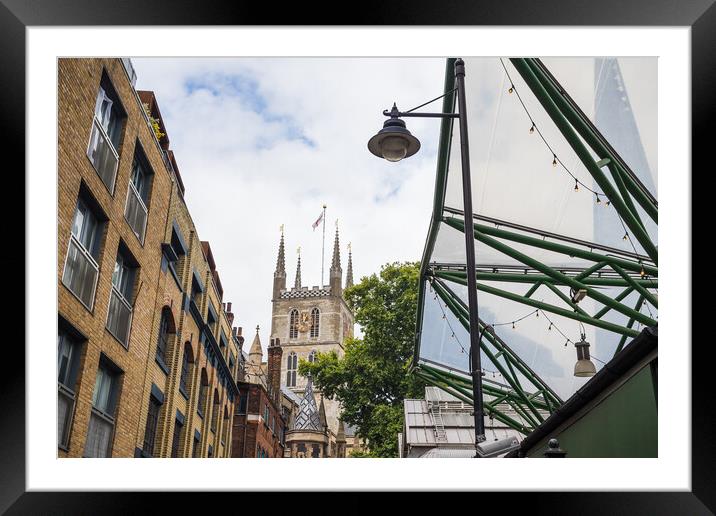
(452, 453)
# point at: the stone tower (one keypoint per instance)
(309, 320)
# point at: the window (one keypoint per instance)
(176, 439)
(196, 290)
(186, 367)
(155, 405)
(104, 401)
(166, 331)
(215, 411)
(81, 264)
(135, 210)
(68, 350)
(119, 316)
(203, 393)
(106, 132)
(291, 366)
(293, 325)
(315, 322)
(226, 426)
(312, 356)
(232, 362)
(210, 454)
(243, 400)
(266, 415)
(212, 320)
(196, 448)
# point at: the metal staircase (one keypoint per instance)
(436, 413)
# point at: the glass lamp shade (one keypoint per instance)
(394, 148)
(394, 142)
(584, 366)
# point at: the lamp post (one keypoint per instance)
(394, 142)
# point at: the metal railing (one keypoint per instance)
(119, 316)
(135, 211)
(103, 155)
(81, 272)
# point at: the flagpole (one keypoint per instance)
(323, 245)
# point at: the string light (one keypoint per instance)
(512, 88)
(626, 235)
(554, 160)
(576, 185)
(598, 201)
(532, 129)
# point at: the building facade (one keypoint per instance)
(309, 321)
(147, 354)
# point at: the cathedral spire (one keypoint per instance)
(336, 263)
(336, 273)
(281, 260)
(349, 272)
(279, 275)
(308, 417)
(297, 284)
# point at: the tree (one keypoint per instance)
(371, 380)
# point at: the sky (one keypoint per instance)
(265, 142)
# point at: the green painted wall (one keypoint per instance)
(622, 425)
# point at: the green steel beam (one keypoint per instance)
(630, 323)
(584, 155)
(621, 296)
(536, 264)
(586, 132)
(546, 307)
(645, 293)
(532, 289)
(619, 180)
(514, 277)
(566, 299)
(633, 266)
(458, 308)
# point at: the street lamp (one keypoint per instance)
(394, 142)
(584, 366)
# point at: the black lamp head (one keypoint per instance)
(394, 142)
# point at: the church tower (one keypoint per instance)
(311, 320)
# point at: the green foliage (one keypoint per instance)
(371, 380)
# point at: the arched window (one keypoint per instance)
(203, 392)
(315, 322)
(215, 411)
(186, 368)
(226, 425)
(293, 324)
(166, 330)
(312, 356)
(291, 366)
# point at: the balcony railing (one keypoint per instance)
(136, 212)
(65, 408)
(81, 271)
(119, 317)
(103, 156)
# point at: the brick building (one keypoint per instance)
(147, 354)
(259, 420)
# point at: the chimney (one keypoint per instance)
(273, 366)
(229, 314)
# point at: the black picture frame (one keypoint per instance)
(16, 15)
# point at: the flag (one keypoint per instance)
(318, 221)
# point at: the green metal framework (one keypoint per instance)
(524, 391)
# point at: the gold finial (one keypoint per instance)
(298, 250)
(324, 206)
(257, 328)
(349, 246)
(282, 229)
(336, 223)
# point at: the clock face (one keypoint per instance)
(303, 323)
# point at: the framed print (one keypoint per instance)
(193, 147)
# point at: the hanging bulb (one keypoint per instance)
(554, 161)
(598, 201)
(642, 273)
(565, 344)
(512, 88)
(608, 202)
(550, 327)
(532, 129)
(513, 325)
(626, 235)
(537, 312)
(576, 185)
